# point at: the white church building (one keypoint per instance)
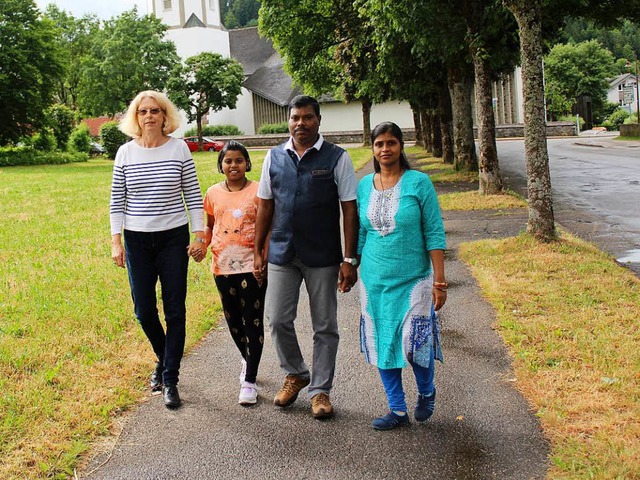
(195, 26)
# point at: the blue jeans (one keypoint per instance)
(152, 256)
(392, 382)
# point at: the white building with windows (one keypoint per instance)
(623, 90)
(195, 26)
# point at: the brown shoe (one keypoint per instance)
(290, 389)
(321, 406)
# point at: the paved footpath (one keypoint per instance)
(482, 427)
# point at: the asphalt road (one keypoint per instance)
(596, 189)
(482, 427)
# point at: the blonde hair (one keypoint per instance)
(129, 123)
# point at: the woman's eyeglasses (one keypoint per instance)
(153, 111)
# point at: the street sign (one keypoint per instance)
(628, 94)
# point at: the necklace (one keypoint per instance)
(243, 185)
(382, 184)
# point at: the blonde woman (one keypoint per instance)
(154, 187)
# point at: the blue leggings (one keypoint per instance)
(392, 382)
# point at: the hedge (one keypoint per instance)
(282, 127)
(214, 131)
(23, 156)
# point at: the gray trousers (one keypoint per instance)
(281, 305)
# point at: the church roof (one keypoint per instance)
(262, 65)
(249, 48)
(272, 82)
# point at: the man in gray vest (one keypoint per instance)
(305, 183)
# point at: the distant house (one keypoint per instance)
(94, 124)
(617, 87)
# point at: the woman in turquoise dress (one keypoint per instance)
(401, 247)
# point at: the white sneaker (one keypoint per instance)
(243, 372)
(248, 394)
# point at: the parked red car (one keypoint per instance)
(208, 144)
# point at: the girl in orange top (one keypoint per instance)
(231, 207)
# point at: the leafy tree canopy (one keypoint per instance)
(30, 67)
(205, 82)
(74, 38)
(575, 70)
(128, 55)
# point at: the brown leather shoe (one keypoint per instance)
(290, 389)
(321, 406)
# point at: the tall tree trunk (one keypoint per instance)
(490, 178)
(199, 129)
(490, 181)
(436, 133)
(366, 122)
(426, 130)
(416, 124)
(446, 126)
(464, 147)
(541, 223)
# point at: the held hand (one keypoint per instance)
(347, 277)
(259, 268)
(439, 298)
(118, 254)
(197, 250)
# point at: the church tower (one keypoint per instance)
(194, 25)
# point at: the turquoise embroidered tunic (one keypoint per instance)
(398, 227)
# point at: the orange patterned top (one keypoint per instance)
(234, 228)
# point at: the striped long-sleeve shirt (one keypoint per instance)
(152, 186)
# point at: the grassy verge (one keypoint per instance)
(440, 172)
(472, 200)
(569, 316)
(437, 169)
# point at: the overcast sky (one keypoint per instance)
(104, 9)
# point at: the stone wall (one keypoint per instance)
(630, 130)
(554, 129)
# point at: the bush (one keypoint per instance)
(22, 156)
(617, 118)
(61, 120)
(112, 138)
(214, 131)
(80, 140)
(282, 127)
(44, 140)
(631, 119)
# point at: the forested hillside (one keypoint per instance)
(239, 13)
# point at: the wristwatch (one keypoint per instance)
(199, 239)
(352, 260)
